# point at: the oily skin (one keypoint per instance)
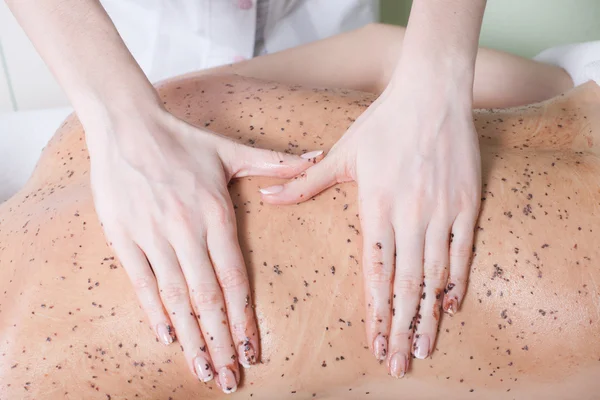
(70, 323)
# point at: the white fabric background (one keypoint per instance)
(167, 38)
(23, 135)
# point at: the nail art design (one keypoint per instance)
(165, 333)
(398, 365)
(227, 380)
(380, 347)
(451, 305)
(421, 346)
(203, 369)
(247, 354)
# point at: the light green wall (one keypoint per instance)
(523, 27)
(395, 11)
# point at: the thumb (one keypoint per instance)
(249, 161)
(304, 186)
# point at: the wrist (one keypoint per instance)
(435, 69)
(127, 127)
(110, 113)
(102, 99)
(431, 90)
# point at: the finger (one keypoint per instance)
(435, 266)
(231, 272)
(175, 296)
(378, 270)
(461, 249)
(304, 186)
(144, 284)
(407, 286)
(248, 161)
(208, 302)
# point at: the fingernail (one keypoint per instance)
(380, 347)
(272, 189)
(421, 347)
(451, 306)
(398, 365)
(227, 380)
(247, 355)
(165, 333)
(312, 154)
(203, 369)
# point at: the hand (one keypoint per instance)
(415, 157)
(160, 190)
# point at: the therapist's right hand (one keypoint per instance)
(160, 190)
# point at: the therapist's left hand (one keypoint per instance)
(415, 156)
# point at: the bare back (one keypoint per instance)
(70, 326)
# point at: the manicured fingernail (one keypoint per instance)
(272, 189)
(203, 369)
(165, 333)
(380, 347)
(312, 154)
(451, 305)
(227, 380)
(421, 347)
(398, 365)
(247, 356)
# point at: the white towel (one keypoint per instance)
(580, 60)
(23, 135)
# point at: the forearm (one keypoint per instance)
(78, 41)
(362, 59)
(441, 42)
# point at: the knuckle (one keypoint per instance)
(405, 286)
(206, 299)
(410, 212)
(420, 190)
(233, 279)
(218, 211)
(179, 210)
(174, 293)
(180, 219)
(376, 272)
(378, 206)
(219, 349)
(239, 329)
(460, 250)
(435, 268)
(143, 282)
(443, 202)
(469, 199)
(400, 336)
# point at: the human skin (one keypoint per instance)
(501, 79)
(415, 144)
(132, 134)
(70, 322)
(178, 173)
(135, 146)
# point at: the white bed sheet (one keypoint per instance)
(23, 135)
